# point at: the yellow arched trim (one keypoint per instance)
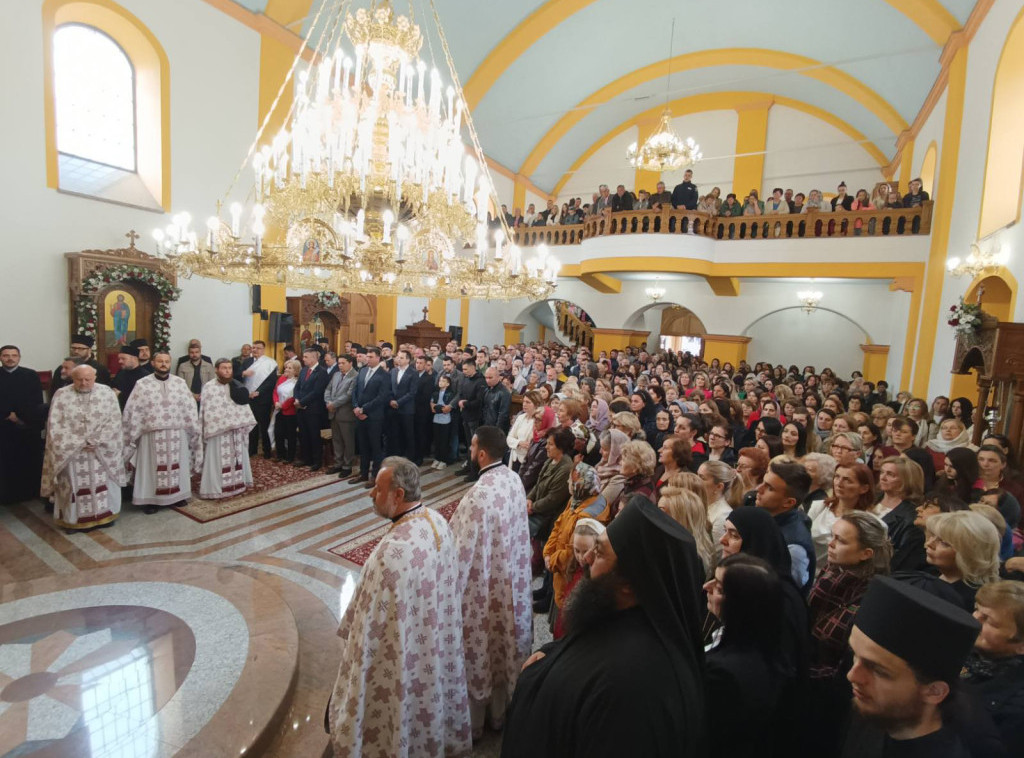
(672, 264)
(929, 15)
(927, 172)
(153, 87)
(287, 12)
(517, 42)
(775, 59)
(717, 101)
(1007, 277)
(1000, 202)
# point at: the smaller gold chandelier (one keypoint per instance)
(664, 150)
(810, 300)
(978, 261)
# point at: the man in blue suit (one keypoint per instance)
(312, 412)
(370, 401)
(402, 413)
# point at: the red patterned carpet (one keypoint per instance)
(357, 550)
(271, 481)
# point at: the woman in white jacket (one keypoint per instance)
(520, 436)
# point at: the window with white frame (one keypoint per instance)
(94, 99)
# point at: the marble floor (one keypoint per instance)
(161, 636)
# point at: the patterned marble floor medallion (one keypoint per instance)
(142, 662)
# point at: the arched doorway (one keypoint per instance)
(322, 324)
(671, 326)
(823, 337)
(998, 298)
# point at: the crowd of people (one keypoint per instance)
(686, 195)
(834, 566)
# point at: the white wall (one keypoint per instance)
(805, 153)
(715, 132)
(213, 118)
(606, 166)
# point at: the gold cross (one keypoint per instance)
(132, 236)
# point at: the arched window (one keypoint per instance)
(106, 80)
(94, 97)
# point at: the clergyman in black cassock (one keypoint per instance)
(21, 413)
(629, 682)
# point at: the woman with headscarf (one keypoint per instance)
(753, 531)
(600, 419)
(537, 453)
(585, 501)
(952, 435)
(609, 470)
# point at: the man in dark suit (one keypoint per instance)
(423, 419)
(402, 413)
(243, 357)
(370, 401)
(470, 402)
(309, 399)
(623, 199)
(684, 194)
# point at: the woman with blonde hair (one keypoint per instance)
(853, 489)
(724, 491)
(521, 435)
(901, 483)
(964, 547)
(638, 461)
(628, 423)
(687, 508)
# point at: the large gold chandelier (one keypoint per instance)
(664, 150)
(369, 187)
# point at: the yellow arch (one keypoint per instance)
(1004, 174)
(929, 15)
(776, 59)
(153, 87)
(927, 172)
(716, 101)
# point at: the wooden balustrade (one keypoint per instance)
(893, 222)
(573, 327)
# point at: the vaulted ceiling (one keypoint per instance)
(546, 79)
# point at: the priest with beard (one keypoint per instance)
(627, 679)
(84, 467)
(144, 354)
(162, 439)
(227, 420)
(125, 379)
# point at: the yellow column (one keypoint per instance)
(542, 333)
(906, 165)
(941, 217)
(611, 339)
(728, 348)
(436, 309)
(275, 60)
(387, 318)
(751, 141)
(876, 359)
(639, 339)
(464, 319)
(518, 194)
(647, 180)
(513, 333)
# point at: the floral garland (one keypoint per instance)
(965, 318)
(329, 299)
(86, 310)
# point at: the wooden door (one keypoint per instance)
(362, 319)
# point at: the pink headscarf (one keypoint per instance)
(547, 420)
(600, 420)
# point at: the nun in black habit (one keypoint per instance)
(627, 679)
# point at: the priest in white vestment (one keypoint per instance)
(83, 468)
(401, 688)
(227, 420)
(492, 532)
(162, 439)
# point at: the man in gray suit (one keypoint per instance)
(338, 397)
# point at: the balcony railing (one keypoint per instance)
(572, 326)
(895, 222)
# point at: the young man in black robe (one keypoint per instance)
(21, 421)
(908, 648)
(130, 372)
(144, 354)
(81, 347)
(627, 679)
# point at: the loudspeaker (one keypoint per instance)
(256, 295)
(456, 332)
(282, 327)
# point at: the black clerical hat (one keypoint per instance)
(140, 342)
(130, 350)
(83, 339)
(932, 635)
